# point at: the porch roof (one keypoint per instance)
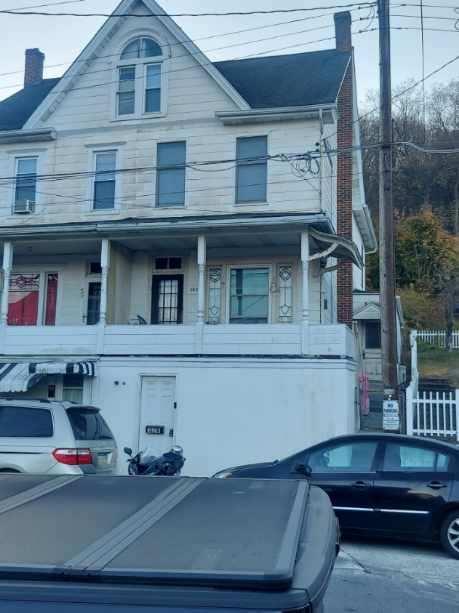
(264, 231)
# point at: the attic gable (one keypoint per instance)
(103, 38)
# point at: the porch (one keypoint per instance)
(238, 340)
(234, 288)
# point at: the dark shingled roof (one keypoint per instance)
(16, 110)
(298, 79)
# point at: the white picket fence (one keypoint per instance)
(438, 337)
(433, 413)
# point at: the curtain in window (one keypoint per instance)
(51, 299)
(23, 299)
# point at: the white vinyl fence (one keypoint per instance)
(430, 413)
(438, 338)
(433, 413)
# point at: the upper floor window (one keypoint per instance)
(140, 78)
(26, 185)
(105, 180)
(170, 174)
(252, 169)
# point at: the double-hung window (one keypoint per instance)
(139, 79)
(170, 174)
(153, 88)
(26, 185)
(105, 180)
(249, 295)
(126, 90)
(251, 169)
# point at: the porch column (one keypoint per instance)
(105, 266)
(6, 267)
(305, 292)
(200, 319)
(201, 278)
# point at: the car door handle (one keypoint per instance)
(360, 484)
(436, 485)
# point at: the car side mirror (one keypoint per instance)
(303, 469)
(127, 451)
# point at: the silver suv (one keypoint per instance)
(39, 436)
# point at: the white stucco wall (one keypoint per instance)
(232, 412)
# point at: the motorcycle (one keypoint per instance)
(168, 465)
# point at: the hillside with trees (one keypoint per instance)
(426, 200)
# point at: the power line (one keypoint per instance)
(180, 43)
(207, 14)
(406, 90)
(37, 6)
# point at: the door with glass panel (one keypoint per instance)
(167, 299)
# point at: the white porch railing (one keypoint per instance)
(222, 339)
(434, 413)
(438, 338)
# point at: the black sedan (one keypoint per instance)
(383, 484)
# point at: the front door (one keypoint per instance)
(157, 407)
(346, 471)
(167, 299)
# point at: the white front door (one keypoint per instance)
(157, 406)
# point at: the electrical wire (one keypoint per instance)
(206, 14)
(180, 43)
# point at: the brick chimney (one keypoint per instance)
(33, 72)
(343, 35)
(344, 167)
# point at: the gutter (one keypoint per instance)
(363, 218)
(27, 136)
(277, 114)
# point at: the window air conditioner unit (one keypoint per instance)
(24, 207)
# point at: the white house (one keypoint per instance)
(170, 252)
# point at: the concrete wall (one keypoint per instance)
(233, 411)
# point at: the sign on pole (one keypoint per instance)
(391, 415)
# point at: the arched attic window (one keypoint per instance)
(140, 78)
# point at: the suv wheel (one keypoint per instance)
(449, 535)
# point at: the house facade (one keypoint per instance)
(181, 240)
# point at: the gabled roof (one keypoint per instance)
(16, 110)
(298, 79)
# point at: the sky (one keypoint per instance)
(62, 38)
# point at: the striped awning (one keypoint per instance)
(21, 376)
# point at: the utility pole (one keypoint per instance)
(386, 212)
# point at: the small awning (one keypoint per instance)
(21, 376)
(336, 246)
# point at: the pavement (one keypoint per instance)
(393, 577)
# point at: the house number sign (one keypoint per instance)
(154, 430)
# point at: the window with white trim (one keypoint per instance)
(104, 180)
(140, 79)
(249, 295)
(25, 192)
(170, 174)
(251, 169)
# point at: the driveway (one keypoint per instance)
(378, 577)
